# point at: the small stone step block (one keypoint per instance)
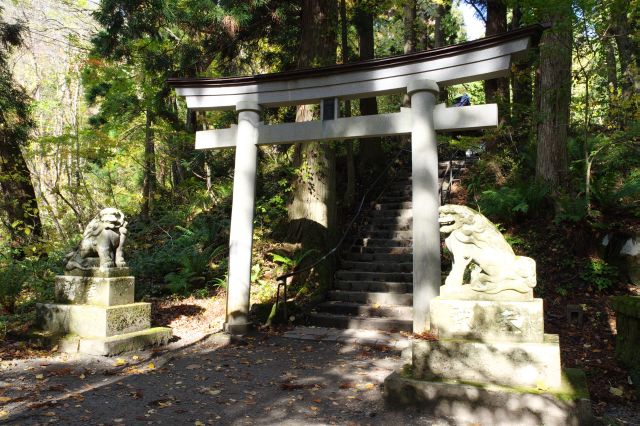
(94, 321)
(101, 291)
(500, 363)
(488, 321)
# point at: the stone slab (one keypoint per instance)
(488, 321)
(94, 290)
(499, 363)
(99, 272)
(94, 321)
(464, 404)
(114, 345)
(465, 292)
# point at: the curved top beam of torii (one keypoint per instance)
(481, 59)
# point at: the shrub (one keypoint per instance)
(600, 274)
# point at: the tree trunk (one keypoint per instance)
(371, 154)
(409, 22)
(554, 97)
(350, 192)
(438, 37)
(497, 89)
(623, 29)
(521, 87)
(312, 212)
(149, 176)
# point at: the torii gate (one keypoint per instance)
(417, 74)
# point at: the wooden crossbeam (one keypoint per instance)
(399, 123)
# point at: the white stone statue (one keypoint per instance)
(473, 239)
(102, 243)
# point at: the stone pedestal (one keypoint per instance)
(489, 352)
(96, 314)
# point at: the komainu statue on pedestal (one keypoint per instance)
(473, 239)
(102, 243)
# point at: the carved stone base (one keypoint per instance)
(499, 363)
(487, 320)
(94, 321)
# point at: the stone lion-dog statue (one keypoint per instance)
(102, 243)
(474, 239)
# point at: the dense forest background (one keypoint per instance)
(87, 121)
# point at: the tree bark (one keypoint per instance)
(497, 89)
(554, 97)
(312, 212)
(149, 176)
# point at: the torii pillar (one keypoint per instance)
(425, 200)
(242, 213)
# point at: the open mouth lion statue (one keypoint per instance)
(102, 243)
(473, 239)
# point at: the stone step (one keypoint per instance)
(400, 277)
(393, 205)
(366, 311)
(374, 286)
(395, 198)
(347, 322)
(404, 299)
(351, 265)
(388, 224)
(383, 242)
(377, 257)
(389, 233)
(383, 250)
(394, 213)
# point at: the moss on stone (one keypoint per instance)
(627, 305)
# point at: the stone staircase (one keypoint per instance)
(373, 287)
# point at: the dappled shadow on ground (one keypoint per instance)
(261, 380)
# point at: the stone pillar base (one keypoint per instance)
(469, 404)
(237, 329)
(96, 315)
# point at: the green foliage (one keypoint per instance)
(600, 274)
(12, 279)
(506, 202)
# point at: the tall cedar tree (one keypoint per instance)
(312, 211)
(554, 96)
(497, 89)
(19, 206)
(371, 155)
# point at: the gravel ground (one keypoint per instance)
(259, 380)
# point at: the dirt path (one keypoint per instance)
(261, 380)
